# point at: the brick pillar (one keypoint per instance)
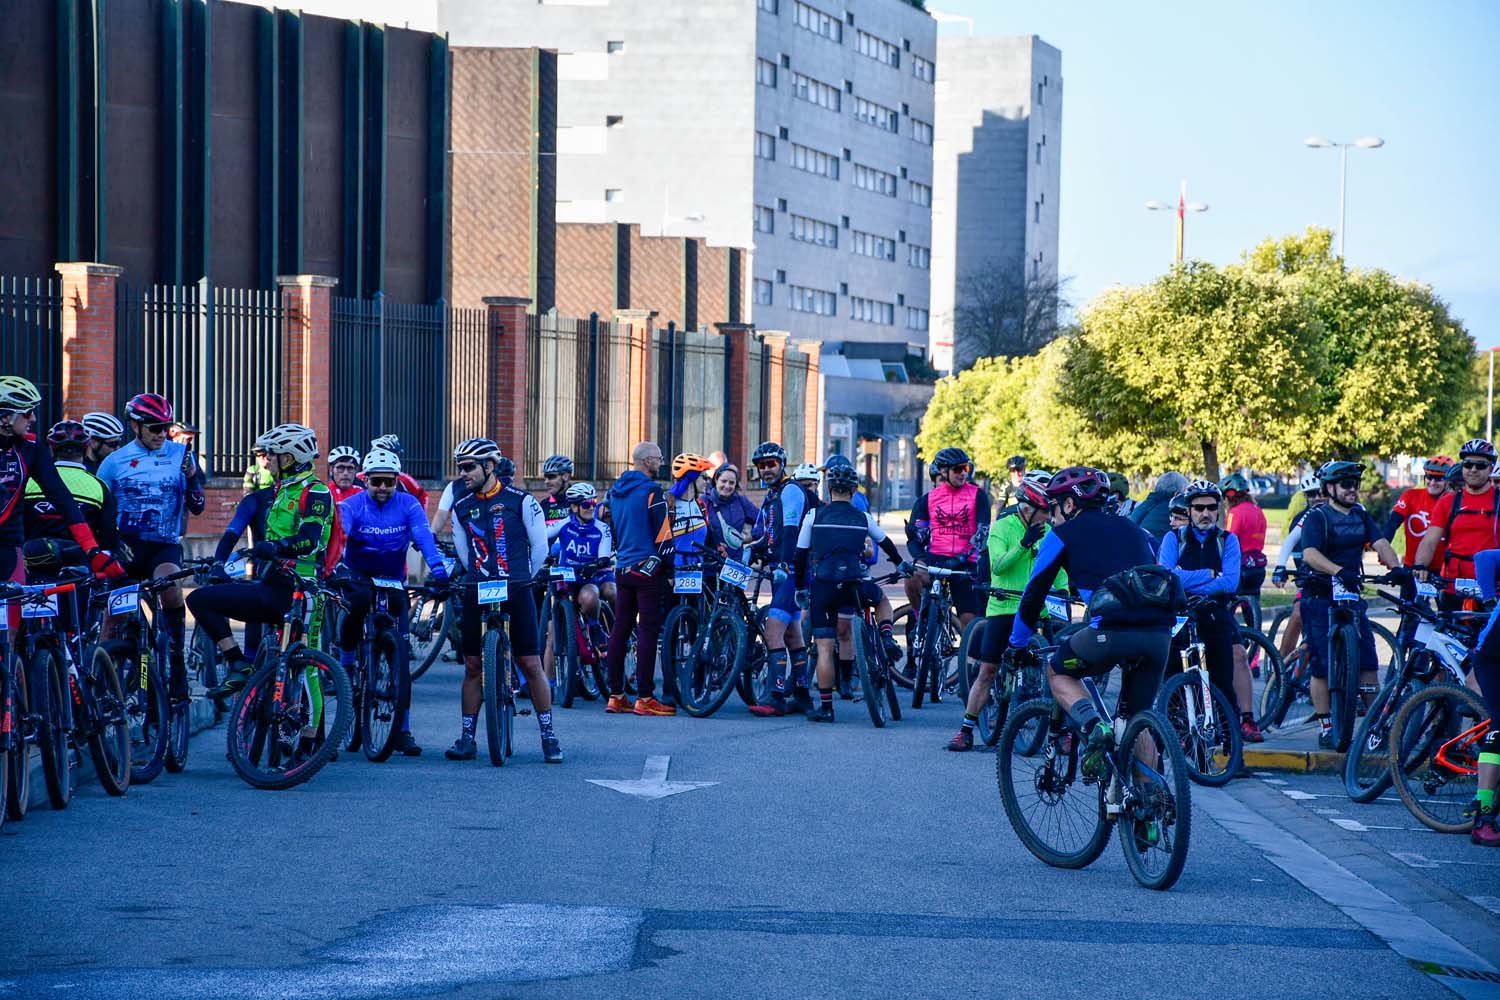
(506, 419)
(775, 343)
(812, 410)
(736, 382)
(306, 308)
(88, 337)
(642, 372)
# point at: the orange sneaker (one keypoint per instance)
(618, 705)
(650, 706)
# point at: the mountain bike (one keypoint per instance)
(1012, 685)
(1434, 755)
(499, 693)
(1065, 818)
(1201, 714)
(579, 660)
(935, 639)
(381, 679)
(431, 621)
(710, 658)
(877, 686)
(280, 734)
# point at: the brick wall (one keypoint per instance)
(586, 272)
(88, 337)
(656, 276)
(713, 285)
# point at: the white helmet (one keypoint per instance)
(579, 492)
(381, 460)
(805, 473)
(344, 453)
(103, 426)
(295, 440)
(1311, 483)
(476, 450)
(16, 393)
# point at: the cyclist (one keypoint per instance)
(689, 524)
(1413, 510)
(883, 606)
(1334, 536)
(1154, 512)
(258, 476)
(299, 523)
(43, 520)
(1207, 559)
(730, 514)
(642, 528)
(956, 517)
(780, 520)
(1119, 495)
(833, 538)
(586, 545)
(806, 476)
(153, 480)
(407, 482)
(1015, 469)
(1093, 547)
(499, 534)
(1247, 522)
(1009, 555)
(343, 468)
(1464, 523)
(1291, 554)
(1178, 515)
(106, 433)
(557, 472)
(1486, 831)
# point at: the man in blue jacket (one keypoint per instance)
(642, 523)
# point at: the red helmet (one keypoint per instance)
(150, 408)
(66, 432)
(1086, 485)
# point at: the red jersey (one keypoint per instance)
(1415, 509)
(410, 485)
(340, 494)
(1472, 529)
(1247, 522)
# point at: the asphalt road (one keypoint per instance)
(834, 860)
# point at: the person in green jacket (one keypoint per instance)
(1013, 541)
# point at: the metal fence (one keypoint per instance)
(465, 404)
(756, 386)
(578, 395)
(692, 370)
(216, 353)
(31, 339)
(794, 405)
(389, 376)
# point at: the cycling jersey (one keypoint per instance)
(582, 542)
(556, 510)
(1474, 527)
(342, 493)
(1340, 538)
(1011, 563)
(378, 535)
(1412, 514)
(832, 538)
(1247, 522)
(946, 520)
(780, 519)
(150, 491)
(408, 484)
(689, 534)
(300, 519)
(44, 519)
(500, 534)
(21, 461)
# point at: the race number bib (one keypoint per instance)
(1057, 607)
(1427, 590)
(1343, 593)
(1467, 588)
(494, 591)
(386, 583)
(734, 573)
(125, 600)
(565, 574)
(45, 608)
(688, 582)
(1181, 621)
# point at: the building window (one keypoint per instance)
(877, 48)
(765, 219)
(874, 114)
(870, 179)
(613, 47)
(1036, 268)
(1038, 154)
(1036, 211)
(818, 23)
(780, 276)
(762, 292)
(824, 234)
(769, 6)
(923, 69)
(765, 72)
(614, 121)
(614, 194)
(870, 245)
(921, 131)
(920, 194)
(916, 319)
(812, 300)
(920, 257)
(815, 161)
(765, 146)
(871, 311)
(815, 92)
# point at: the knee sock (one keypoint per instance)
(799, 668)
(544, 721)
(777, 663)
(969, 721)
(1084, 715)
(470, 724)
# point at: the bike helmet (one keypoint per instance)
(344, 453)
(805, 473)
(687, 463)
(557, 465)
(150, 408)
(379, 460)
(948, 458)
(1310, 483)
(476, 450)
(1032, 491)
(1085, 485)
(1118, 483)
(1235, 484)
(295, 440)
(103, 426)
(1333, 471)
(837, 461)
(932, 471)
(1456, 478)
(1438, 465)
(1202, 488)
(1178, 504)
(389, 442)
(843, 478)
(579, 492)
(1477, 448)
(18, 395)
(505, 469)
(67, 432)
(767, 450)
(1016, 462)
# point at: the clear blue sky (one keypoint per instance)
(1224, 94)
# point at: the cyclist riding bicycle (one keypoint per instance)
(299, 524)
(833, 539)
(49, 542)
(1464, 523)
(1486, 831)
(780, 520)
(106, 435)
(407, 482)
(1130, 624)
(343, 472)
(499, 533)
(557, 472)
(153, 480)
(1247, 522)
(1334, 536)
(380, 524)
(951, 522)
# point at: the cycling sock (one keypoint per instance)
(825, 697)
(176, 619)
(969, 720)
(1084, 715)
(346, 657)
(777, 663)
(406, 721)
(1486, 799)
(544, 720)
(471, 723)
(1325, 723)
(885, 628)
(799, 667)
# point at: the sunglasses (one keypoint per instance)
(959, 468)
(1347, 484)
(1437, 479)
(157, 428)
(587, 504)
(1203, 508)
(1476, 465)
(387, 482)
(764, 466)
(467, 466)
(28, 414)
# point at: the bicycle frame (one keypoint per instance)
(1468, 737)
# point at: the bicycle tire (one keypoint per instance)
(1278, 622)
(109, 731)
(969, 645)
(755, 683)
(428, 631)
(386, 696)
(1051, 776)
(991, 721)
(7, 726)
(52, 736)
(708, 677)
(903, 623)
(496, 705)
(872, 678)
(600, 666)
(18, 789)
(1343, 682)
(179, 732)
(1367, 766)
(1168, 803)
(674, 644)
(1435, 795)
(146, 707)
(929, 664)
(203, 659)
(254, 711)
(1261, 655)
(1213, 751)
(565, 650)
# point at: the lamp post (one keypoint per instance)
(1319, 142)
(1183, 207)
(1489, 406)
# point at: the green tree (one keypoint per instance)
(981, 410)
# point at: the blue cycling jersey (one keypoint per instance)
(150, 490)
(780, 520)
(581, 542)
(378, 535)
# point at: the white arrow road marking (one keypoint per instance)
(653, 783)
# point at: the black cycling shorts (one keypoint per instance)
(524, 637)
(1086, 651)
(146, 556)
(996, 637)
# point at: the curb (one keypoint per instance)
(200, 717)
(1297, 761)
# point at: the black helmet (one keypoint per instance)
(1332, 472)
(1119, 484)
(768, 450)
(1202, 488)
(1178, 504)
(932, 471)
(842, 478)
(947, 458)
(1016, 462)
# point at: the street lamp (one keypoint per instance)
(1319, 142)
(1183, 207)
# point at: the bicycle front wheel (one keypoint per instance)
(52, 737)
(874, 678)
(1208, 732)
(1367, 766)
(427, 632)
(903, 627)
(108, 728)
(1434, 755)
(386, 695)
(18, 787)
(706, 679)
(279, 729)
(145, 707)
(565, 640)
(1058, 816)
(1158, 805)
(497, 703)
(1343, 682)
(969, 645)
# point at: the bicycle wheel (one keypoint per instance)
(1367, 766)
(496, 688)
(1388, 652)
(279, 739)
(1278, 622)
(903, 624)
(928, 655)
(7, 727)
(565, 650)
(600, 667)
(1208, 735)
(203, 662)
(1434, 755)
(386, 695)
(179, 730)
(992, 716)
(358, 679)
(755, 682)
(145, 707)
(707, 678)
(18, 788)
(869, 660)
(50, 688)
(427, 632)
(1158, 805)
(108, 727)
(674, 647)
(969, 645)
(1058, 816)
(1260, 655)
(1343, 682)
